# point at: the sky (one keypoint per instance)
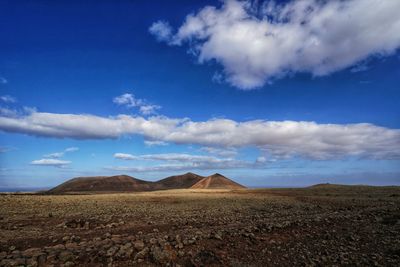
(268, 93)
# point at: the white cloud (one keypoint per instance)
(8, 99)
(6, 112)
(161, 30)
(155, 143)
(71, 149)
(88, 126)
(176, 157)
(57, 155)
(217, 77)
(51, 162)
(223, 152)
(130, 101)
(261, 159)
(175, 167)
(127, 100)
(125, 156)
(280, 139)
(258, 42)
(3, 80)
(180, 162)
(148, 109)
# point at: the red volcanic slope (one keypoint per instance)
(179, 181)
(103, 183)
(125, 183)
(217, 181)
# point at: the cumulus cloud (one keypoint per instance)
(180, 162)
(279, 139)
(87, 126)
(155, 143)
(7, 112)
(71, 149)
(261, 159)
(127, 100)
(176, 167)
(125, 156)
(161, 30)
(178, 157)
(51, 162)
(8, 99)
(256, 43)
(57, 155)
(223, 152)
(12, 112)
(130, 101)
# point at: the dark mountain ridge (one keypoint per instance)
(125, 183)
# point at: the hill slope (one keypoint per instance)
(179, 181)
(125, 183)
(217, 181)
(118, 183)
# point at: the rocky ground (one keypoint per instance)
(347, 226)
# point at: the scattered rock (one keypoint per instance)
(142, 254)
(139, 245)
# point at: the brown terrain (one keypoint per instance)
(103, 183)
(125, 183)
(325, 225)
(179, 181)
(216, 181)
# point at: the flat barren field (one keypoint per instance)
(325, 225)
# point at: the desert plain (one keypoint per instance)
(325, 225)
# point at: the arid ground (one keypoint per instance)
(324, 225)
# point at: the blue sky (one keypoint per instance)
(269, 94)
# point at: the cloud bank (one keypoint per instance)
(179, 157)
(256, 42)
(278, 139)
(180, 162)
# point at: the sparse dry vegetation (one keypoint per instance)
(266, 227)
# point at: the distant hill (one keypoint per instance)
(217, 181)
(179, 181)
(118, 183)
(125, 183)
(333, 186)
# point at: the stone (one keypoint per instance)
(86, 225)
(163, 255)
(75, 238)
(125, 251)
(111, 251)
(69, 264)
(58, 247)
(142, 254)
(138, 244)
(31, 252)
(71, 245)
(65, 256)
(217, 236)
